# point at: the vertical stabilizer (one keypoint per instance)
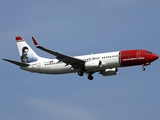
(26, 53)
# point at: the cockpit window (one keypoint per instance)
(148, 52)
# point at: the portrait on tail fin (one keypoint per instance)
(26, 56)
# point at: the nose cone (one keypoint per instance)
(155, 56)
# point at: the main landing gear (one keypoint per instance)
(90, 77)
(81, 73)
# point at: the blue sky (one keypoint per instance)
(77, 27)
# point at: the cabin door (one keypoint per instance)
(138, 54)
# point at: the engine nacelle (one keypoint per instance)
(109, 72)
(92, 65)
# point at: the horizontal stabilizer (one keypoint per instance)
(17, 63)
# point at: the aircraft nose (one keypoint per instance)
(155, 56)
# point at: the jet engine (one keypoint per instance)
(109, 72)
(92, 65)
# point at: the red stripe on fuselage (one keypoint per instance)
(133, 57)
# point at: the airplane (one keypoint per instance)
(106, 64)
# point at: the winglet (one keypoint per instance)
(35, 42)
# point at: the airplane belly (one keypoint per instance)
(57, 69)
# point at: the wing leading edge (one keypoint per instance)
(74, 62)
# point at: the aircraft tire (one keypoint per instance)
(80, 73)
(90, 77)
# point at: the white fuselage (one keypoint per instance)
(54, 66)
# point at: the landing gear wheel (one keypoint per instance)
(90, 77)
(143, 68)
(80, 73)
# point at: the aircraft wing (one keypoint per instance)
(74, 62)
(17, 63)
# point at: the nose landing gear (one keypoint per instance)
(143, 68)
